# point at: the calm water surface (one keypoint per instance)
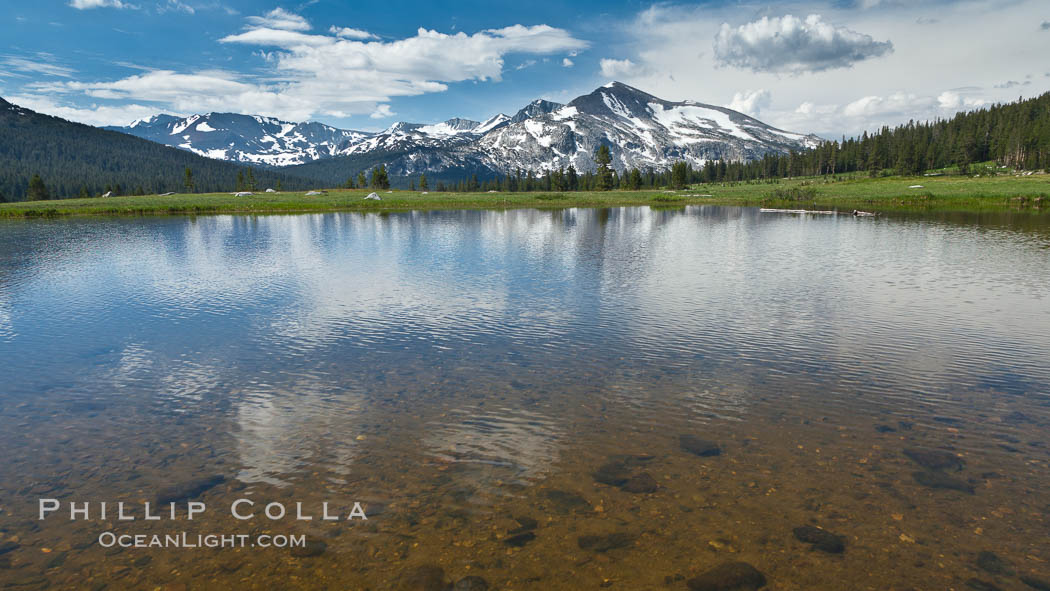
(506, 395)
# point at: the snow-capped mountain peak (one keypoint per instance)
(252, 139)
(534, 109)
(492, 123)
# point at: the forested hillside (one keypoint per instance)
(79, 160)
(1016, 135)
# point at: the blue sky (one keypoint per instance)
(829, 67)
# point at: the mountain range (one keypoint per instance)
(640, 129)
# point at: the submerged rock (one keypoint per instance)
(422, 578)
(821, 539)
(566, 502)
(6, 547)
(520, 540)
(615, 473)
(471, 583)
(1036, 583)
(990, 562)
(190, 489)
(311, 548)
(698, 446)
(642, 483)
(525, 524)
(935, 459)
(730, 576)
(943, 481)
(604, 543)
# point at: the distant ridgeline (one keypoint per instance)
(79, 160)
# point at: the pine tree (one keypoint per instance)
(603, 158)
(251, 180)
(634, 180)
(349, 183)
(83, 192)
(572, 180)
(240, 181)
(423, 181)
(679, 175)
(361, 181)
(380, 181)
(188, 182)
(37, 189)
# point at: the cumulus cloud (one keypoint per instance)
(567, 63)
(954, 100)
(620, 68)
(792, 45)
(88, 4)
(337, 74)
(750, 102)
(382, 112)
(279, 18)
(348, 33)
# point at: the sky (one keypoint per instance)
(830, 67)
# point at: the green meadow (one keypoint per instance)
(944, 193)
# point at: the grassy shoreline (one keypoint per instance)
(948, 193)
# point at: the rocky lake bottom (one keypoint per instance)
(522, 400)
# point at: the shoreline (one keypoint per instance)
(1027, 194)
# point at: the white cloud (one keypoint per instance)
(953, 100)
(176, 5)
(382, 112)
(92, 115)
(625, 68)
(896, 103)
(330, 74)
(279, 18)
(88, 4)
(37, 66)
(567, 63)
(793, 45)
(750, 102)
(348, 33)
